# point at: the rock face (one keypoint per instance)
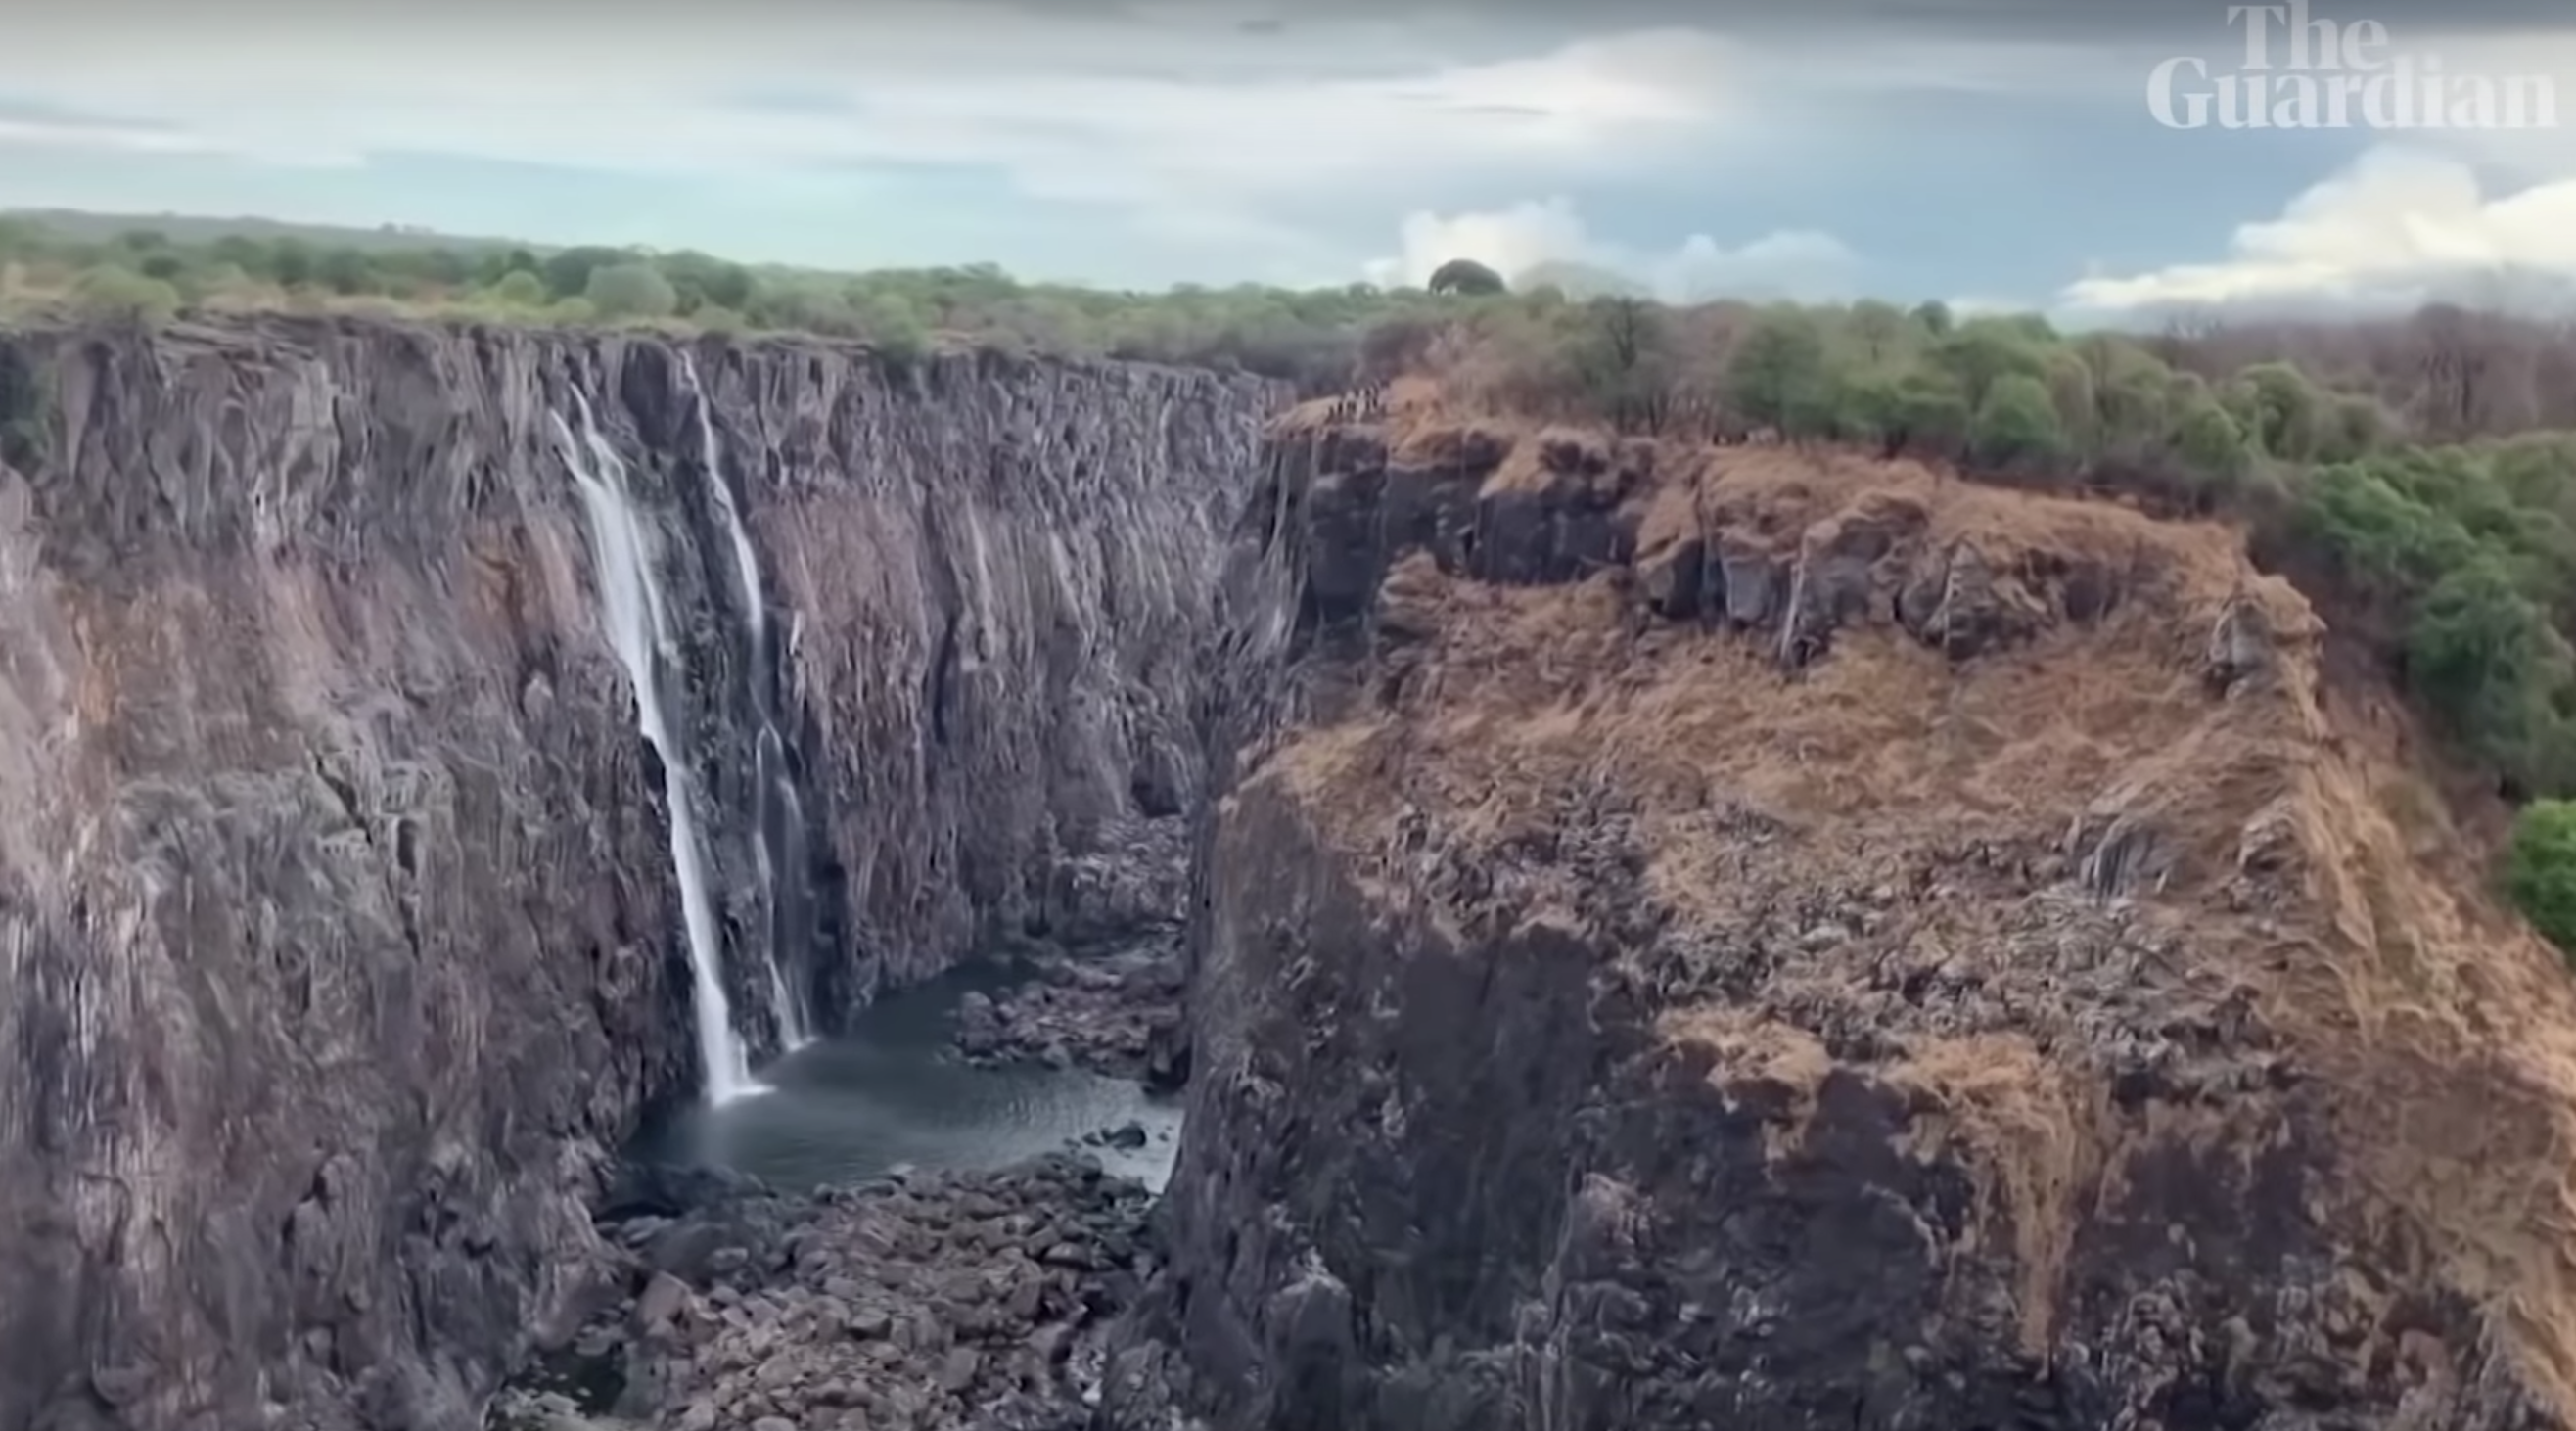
(338, 929)
(1754, 939)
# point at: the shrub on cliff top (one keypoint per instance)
(518, 289)
(2540, 870)
(1466, 276)
(630, 290)
(121, 293)
(2016, 425)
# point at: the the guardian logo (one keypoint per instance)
(2299, 72)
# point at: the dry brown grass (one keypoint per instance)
(2034, 1136)
(2445, 1031)
(2451, 1033)
(1536, 687)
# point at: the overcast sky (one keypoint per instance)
(1997, 151)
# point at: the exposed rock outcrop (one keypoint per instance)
(1114, 1011)
(913, 1303)
(337, 925)
(1760, 939)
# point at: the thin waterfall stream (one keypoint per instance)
(887, 1090)
(779, 816)
(631, 601)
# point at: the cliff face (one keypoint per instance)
(1755, 939)
(339, 932)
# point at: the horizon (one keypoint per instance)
(199, 229)
(2524, 294)
(1988, 154)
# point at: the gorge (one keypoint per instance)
(345, 939)
(1673, 935)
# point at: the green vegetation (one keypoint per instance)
(2418, 476)
(1311, 338)
(2540, 870)
(1465, 275)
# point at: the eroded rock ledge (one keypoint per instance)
(1760, 939)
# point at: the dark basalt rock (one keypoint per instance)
(342, 929)
(1525, 1096)
(1115, 1011)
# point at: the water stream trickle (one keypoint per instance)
(780, 816)
(631, 601)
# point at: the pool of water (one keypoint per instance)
(890, 1093)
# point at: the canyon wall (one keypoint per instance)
(1751, 938)
(339, 937)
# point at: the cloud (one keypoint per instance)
(80, 132)
(1251, 136)
(1981, 305)
(2398, 227)
(1514, 240)
(1249, 105)
(2512, 60)
(1180, 104)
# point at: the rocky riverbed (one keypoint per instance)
(911, 1303)
(1116, 1013)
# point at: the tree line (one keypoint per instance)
(2417, 475)
(1307, 337)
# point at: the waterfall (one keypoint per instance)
(630, 595)
(780, 816)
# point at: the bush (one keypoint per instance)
(1466, 277)
(627, 291)
(519, 289)
(2540, 871)
(121, 293)
(890, 325)
(1779, 376)
(2017, 425)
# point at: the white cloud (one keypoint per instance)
(1178, 107)
(95, 135)
(2503, 58)
(2396, 227)
(1788, 264)
(1984, 305)
(2420, 217)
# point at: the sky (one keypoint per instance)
(1986, 153)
